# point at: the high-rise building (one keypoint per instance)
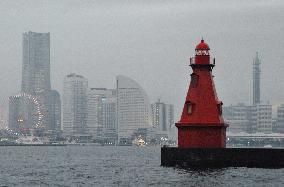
(36, 71)
(3, 119)
(256, 80)
(133, 108)
(36, 63)
(55, 111)
(262, 113)
(251, 119)
(280, 119)
(75, 105)
(101, 118)
(109, 119)
(163, 117)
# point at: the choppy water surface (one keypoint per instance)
(116, 166)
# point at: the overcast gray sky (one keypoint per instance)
(150, 41)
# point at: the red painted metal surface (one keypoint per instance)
(201, 123)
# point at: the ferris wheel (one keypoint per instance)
(27, 112)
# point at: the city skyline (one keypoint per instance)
(37, 46)
(137, 53)
(142, 93)
(37, 108)
(256, 58)
(89, 114)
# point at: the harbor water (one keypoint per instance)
(115, 166)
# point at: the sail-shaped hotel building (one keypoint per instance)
(133, 109)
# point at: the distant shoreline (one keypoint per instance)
(33, 145)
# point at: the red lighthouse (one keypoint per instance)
(202, 131)
(201, 124)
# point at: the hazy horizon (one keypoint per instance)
(150, 42)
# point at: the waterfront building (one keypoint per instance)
(75, 105)
(36, 71)
(249, 119)
(36, 63)
(109, 119)
(133, 109)
(252, 118)
(264, 118)
(55, 112)
(101, 113)
(238, 117)
(280, 119)
(3, 119)
(163, 118)
(275, 128)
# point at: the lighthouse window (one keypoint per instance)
(202, 52)
(189, 106)
(220, 108)
(198, 52)
(205, 52)
(194, 80)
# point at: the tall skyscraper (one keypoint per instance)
(36, 63)
(75, 105)
(133, 108)
(256, 80)
(251, 119)
(101, 113)
(36, 72)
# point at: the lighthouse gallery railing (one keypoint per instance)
(192, 61)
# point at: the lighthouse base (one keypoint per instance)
(222, 157)
(196, 135)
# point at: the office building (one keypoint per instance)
(75, 106)
(163, 117)
(264, 118)
(36, 72)
(101, 117)
(238, 117)
(55, 112)
(109, 118)
(249, 119)
(36, 63)
(280, 119)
